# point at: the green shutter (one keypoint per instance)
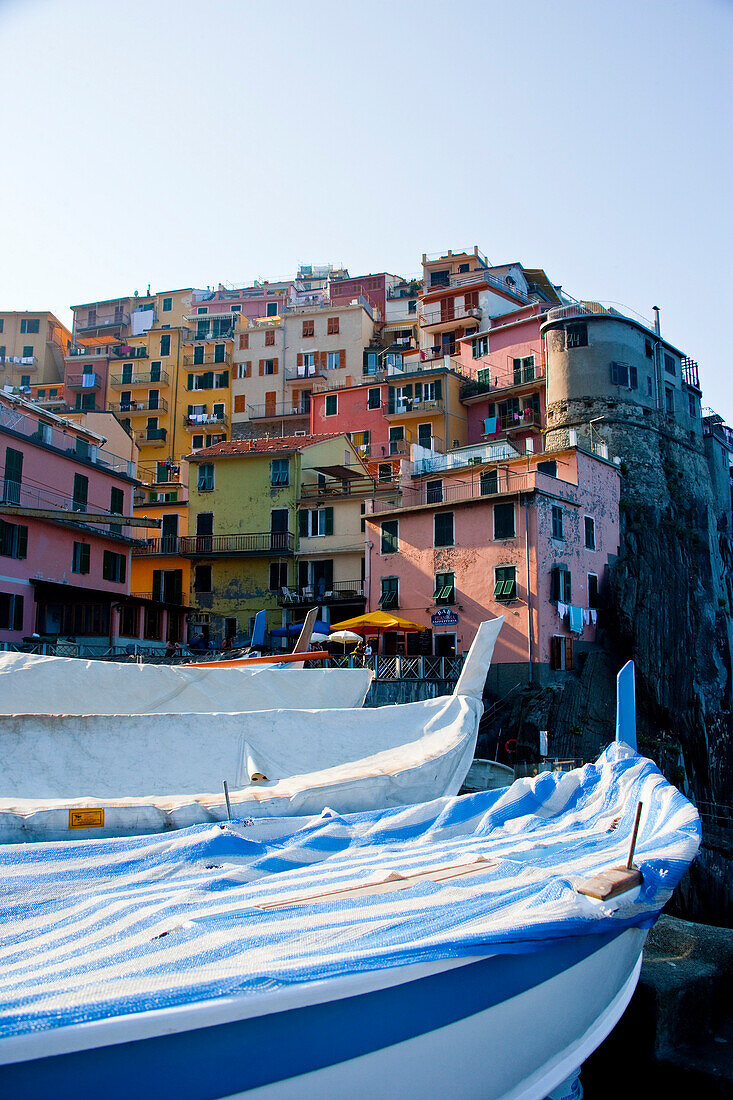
(190, 382)
(498, 587)
(303, 524)
(106, 571)
(157, 583)
(176, 593)
(225, 378)
(438, 390)
(85, 557)
(390, 399)
(329, 521)
(418, 391)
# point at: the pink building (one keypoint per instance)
(507, 398)
(65, 564)
(483, 532)
(261, 300)
(372, 287)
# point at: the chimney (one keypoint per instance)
(657, 328)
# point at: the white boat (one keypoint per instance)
(31, 684)
(465, 947)
(124, 774)
(487, 775)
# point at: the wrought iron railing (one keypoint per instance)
(252, 543)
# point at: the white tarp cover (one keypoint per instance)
(154, 772)
(65, 685)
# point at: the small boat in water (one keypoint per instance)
(124, 774)
(479, 946)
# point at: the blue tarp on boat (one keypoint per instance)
(103, 928)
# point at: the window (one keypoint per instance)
(244, 370)
(152, 623)
(116, 501)
(443, 529)
(129, 620)
(549, 468)
(374, 399)
(167, 305)
(278, 575)
(205, 483)
(197, 442)
(2, 323)
(81, 490)
(390, 593)
(445, 588)
(309, 362)
(649, 385)
(371, 362)
(219, 352)
(557, 522)
(669, 364)
(202, 309)
(114, 567)
(29, 324)
(28, 352)
(279, 471)
(505, 582)
(309, 328)
(669, 400)
(692, 405)
(590, 533)
(270, 338)
(165, 345)
(315, 522)
(13, 475)
(561, 588)
(333, 360)
(221, 380)
(235, 309)
(648, 348)
(269, 366)
(480, 346)
(577, 336)
(80, 557)
(561, 652)
(593, 599)
(489, 482)
(202, 578)
(271, 309)
(243, 341)
(523, 369)
(433, 492)
(390, 536)
(13, 540)
(331, 404)
(333, 326)
(504, 521)
(2, 353)
(11, 612)
(384, 471)
(624, 375)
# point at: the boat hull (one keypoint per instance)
(503, 1027)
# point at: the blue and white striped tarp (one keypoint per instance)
(104, 928)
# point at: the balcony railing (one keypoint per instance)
(28, 361)
(399, 446)
(83, 381)
(260, 542)
(167, 474)
(437, 315)
(477, 278)
(135, 408)
(205, 420)
(21, 495)
(192, 337)
(151, 378)
(114, 321)
(502, 379)
(155, 547)
(345, 591)
(354, 487)
(154, 436)
(63, 440)
(193, 363)
(303, 373)
(127, 351)
(406, 407)
(513, 422)
(488, 483)
(275, 409)
(690, 372)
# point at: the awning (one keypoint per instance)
(294, 629)
(52, 590)
(344, 473)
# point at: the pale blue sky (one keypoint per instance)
(183, 144)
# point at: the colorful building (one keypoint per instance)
(64, 543)
(258, 383)
(32, 349)
(484, 531)
(158, 569)
(263, 532)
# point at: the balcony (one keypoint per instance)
(127, 351)
(210, 332)
(154, 437)
(274, 410)
(502, 379)
(27, 362)
(480, 277)
(517, 422)
(437, 316)
(61, 441)
(399, 446)
(160, 475)
(356, 488)
(155, 547)
(690, 373)
(205, 420)
(339, 592)
(91, 323)
(83, 382)
(486, 483)
(135, 408)
(257, 543)
(303, 374)
(193, 363)
(415, 408)
(152, 378)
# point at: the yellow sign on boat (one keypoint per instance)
(86, 819)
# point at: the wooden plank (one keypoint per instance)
(611, 883)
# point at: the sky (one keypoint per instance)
(182, 145)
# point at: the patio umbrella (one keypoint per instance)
(345, 637)
(316, 636)
(377, 622)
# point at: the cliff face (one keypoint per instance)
(668, 602)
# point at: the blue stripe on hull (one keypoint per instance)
(228, 1058)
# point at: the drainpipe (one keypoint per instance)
(367, 571)
(659, 377)
(529, 590)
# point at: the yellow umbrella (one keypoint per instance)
(377, 620)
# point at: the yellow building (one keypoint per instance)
(276, 524)
(32, 350)
(424, 407)
(158, 570)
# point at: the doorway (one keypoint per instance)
(444, 645)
